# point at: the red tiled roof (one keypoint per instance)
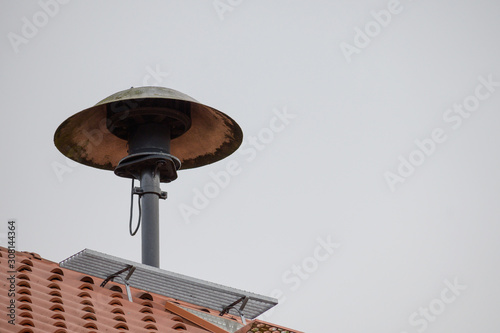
(49, 298)
(257, 326)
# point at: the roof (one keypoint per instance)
(50, 298)
(178, 286)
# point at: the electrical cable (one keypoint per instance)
(132, 211)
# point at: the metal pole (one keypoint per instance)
(150, 185)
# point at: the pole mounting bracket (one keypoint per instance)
(140, 192)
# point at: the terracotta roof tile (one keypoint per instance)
(58, 300)
(261, 326)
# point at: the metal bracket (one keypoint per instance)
(130, 270)
(139, 191)
(244, 300)
(164, 164)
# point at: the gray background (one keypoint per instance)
(322, 176)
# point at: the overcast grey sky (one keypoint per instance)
(365, 195)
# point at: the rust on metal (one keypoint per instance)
(85, 137)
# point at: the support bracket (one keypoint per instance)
(140, 192)
(244, 300)
(113, 276)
